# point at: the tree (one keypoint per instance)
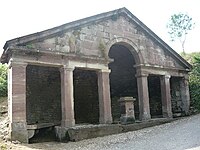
(178, 27)
(3, 80)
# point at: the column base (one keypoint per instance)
(167, 115)
(61, 133)
(107, 121)
(145, 117)
(19, 132)
(67, 123)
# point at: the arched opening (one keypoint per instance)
(122, 78)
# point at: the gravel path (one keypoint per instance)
(182, 134)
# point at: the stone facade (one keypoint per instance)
(108, 48)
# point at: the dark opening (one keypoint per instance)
(122, 78)
(86, 101)
(155, 100)
(43, 94)
(43, 135)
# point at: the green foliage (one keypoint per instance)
(3, 80)
(194, 59)
(178, 27)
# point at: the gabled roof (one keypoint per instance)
(87, 21)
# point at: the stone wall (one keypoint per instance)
(43, 94)
(176, 95)
(155, 95)
(86, 101)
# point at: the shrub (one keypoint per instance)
(195, 83)
(194, 80)
(3, 80)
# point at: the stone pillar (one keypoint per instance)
(185, 95)
(104, 97)
(67, 97)
(143, 96)
(166, 96)
(17, 101)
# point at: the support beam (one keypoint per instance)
(185, 95)
(166, 96)
(143, 95)
(104, 97)
(67, 97)
(17, 101)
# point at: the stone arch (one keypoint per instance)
(123, 81)
(130, 45)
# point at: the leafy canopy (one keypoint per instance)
(178, 27)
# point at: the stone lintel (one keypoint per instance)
(21, 53)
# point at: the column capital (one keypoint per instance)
(104, 70)
(167, 76)
(11, 63)
(141, 75)
(67, 68)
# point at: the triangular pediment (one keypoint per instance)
(89, 36)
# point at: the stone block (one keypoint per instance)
(19, 132)
(127, 110)
(87, 132)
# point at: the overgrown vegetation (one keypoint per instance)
(194, 59)
(3, 80)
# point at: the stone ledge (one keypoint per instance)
(82, 132)
(42, 125)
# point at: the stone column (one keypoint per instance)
(104, 97)
(67, 97)
(166, 96)
(143, 96)
(17, 101)
(185, 95)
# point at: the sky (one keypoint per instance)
(23, 17)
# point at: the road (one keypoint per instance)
(183, 134)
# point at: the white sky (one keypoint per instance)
(22, 17)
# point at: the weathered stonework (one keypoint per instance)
(124, 54)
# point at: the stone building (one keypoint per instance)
(75, 73)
